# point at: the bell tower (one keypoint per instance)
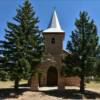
(51, 64)
(53, 36)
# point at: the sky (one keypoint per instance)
(67, 11)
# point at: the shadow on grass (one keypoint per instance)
(24, 85)
(72, 94)
(11, 93)
(65, 94)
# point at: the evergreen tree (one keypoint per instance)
(83, 47)
(3, 70)
(97, 65)
(23, 45)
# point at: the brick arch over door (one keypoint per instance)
(52, 76)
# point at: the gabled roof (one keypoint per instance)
(54, 25)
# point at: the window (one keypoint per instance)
(53, 40)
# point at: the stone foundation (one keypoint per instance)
(34, 83)
(72, 81)
(62, 82)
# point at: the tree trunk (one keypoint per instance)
(82, 84)
(16, 84)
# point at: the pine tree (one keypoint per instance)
(83, 47)
(97, 65)
(23, 45)
(3, 70)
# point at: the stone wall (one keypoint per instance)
(71, 81)
(55, 48)
(53, 57)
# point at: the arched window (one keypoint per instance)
(53, 40)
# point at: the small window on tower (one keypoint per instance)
(53, 40)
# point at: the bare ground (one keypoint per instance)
(48, 93)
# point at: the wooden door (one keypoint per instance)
(52, 76)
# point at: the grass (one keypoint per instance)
(6, 91)
(93, 85)
(10, 84)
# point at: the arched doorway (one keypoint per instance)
(52, 77)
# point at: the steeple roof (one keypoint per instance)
(54, 25)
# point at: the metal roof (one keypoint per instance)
(54, 25)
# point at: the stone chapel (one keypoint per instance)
(51, 64)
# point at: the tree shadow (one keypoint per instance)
(64, 94)
(72, 94)
(24, 85)
(11, 93)
(91, 95)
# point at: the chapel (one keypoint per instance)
(51, 64)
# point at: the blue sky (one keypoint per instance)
(67, 10)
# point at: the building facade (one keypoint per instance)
(51, 64)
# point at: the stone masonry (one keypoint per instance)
(49, 71)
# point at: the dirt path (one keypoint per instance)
(35, 96)
(47, 93)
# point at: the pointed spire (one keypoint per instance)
(54, 25)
